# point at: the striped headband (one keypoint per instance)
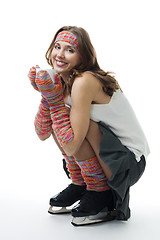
(68, 37)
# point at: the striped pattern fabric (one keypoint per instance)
(43, 122)
(93, 175)
(32, 76)
(74, 170)
(59, 114)
(68, 37)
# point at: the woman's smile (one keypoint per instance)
(60, 63)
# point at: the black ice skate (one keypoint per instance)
(94, 207)
(66, 198)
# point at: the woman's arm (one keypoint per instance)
(83, 92)
(70, 132)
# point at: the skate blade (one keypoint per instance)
(59, 210)
(93, 219)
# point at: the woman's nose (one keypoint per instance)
(61, 53)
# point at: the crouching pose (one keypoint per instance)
(99, 136)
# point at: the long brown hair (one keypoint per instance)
(89, 60)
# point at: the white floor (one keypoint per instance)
(27, 220)
(23, 212)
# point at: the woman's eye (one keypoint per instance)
(70, 50)
(57, 47)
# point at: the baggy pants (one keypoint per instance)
(126, 171)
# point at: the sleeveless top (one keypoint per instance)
(119, 116)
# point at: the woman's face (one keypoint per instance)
(64, 58)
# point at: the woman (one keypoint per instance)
(102, 142)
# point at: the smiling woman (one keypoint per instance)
(64, 58)
(100, 138)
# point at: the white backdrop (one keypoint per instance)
(126, 37)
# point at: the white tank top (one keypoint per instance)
(119, 116)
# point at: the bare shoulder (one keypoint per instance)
(86, 81)
(89, 88)
(84, 89)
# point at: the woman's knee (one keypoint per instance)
(44, 137)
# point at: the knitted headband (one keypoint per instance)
(68, 37)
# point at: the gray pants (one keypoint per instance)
(126, 171)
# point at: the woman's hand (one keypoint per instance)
(32, 76)
(48, 83)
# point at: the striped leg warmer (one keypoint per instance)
(93, 175)
(74, 170)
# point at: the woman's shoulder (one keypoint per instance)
(88, 85)
(86, 80)
(87, 74)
